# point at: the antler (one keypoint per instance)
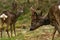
(45, 16)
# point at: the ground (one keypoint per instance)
(42, 33)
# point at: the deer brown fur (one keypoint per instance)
(12, 18)
(10, 21)
(52, 18)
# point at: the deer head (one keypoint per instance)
(40, 20)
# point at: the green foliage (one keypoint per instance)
(26, 18)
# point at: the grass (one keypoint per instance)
(42, 33)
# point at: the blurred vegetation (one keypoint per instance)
(26, 18)
(42, 4)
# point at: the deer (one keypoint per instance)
(52, 18)
(10, 18)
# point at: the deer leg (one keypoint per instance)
(1, 33)
(54, 33)
(1, 29)
(11, 29)
(14, 29)
(7, 30)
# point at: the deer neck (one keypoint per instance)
(18, 14)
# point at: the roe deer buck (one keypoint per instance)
(53, 18)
